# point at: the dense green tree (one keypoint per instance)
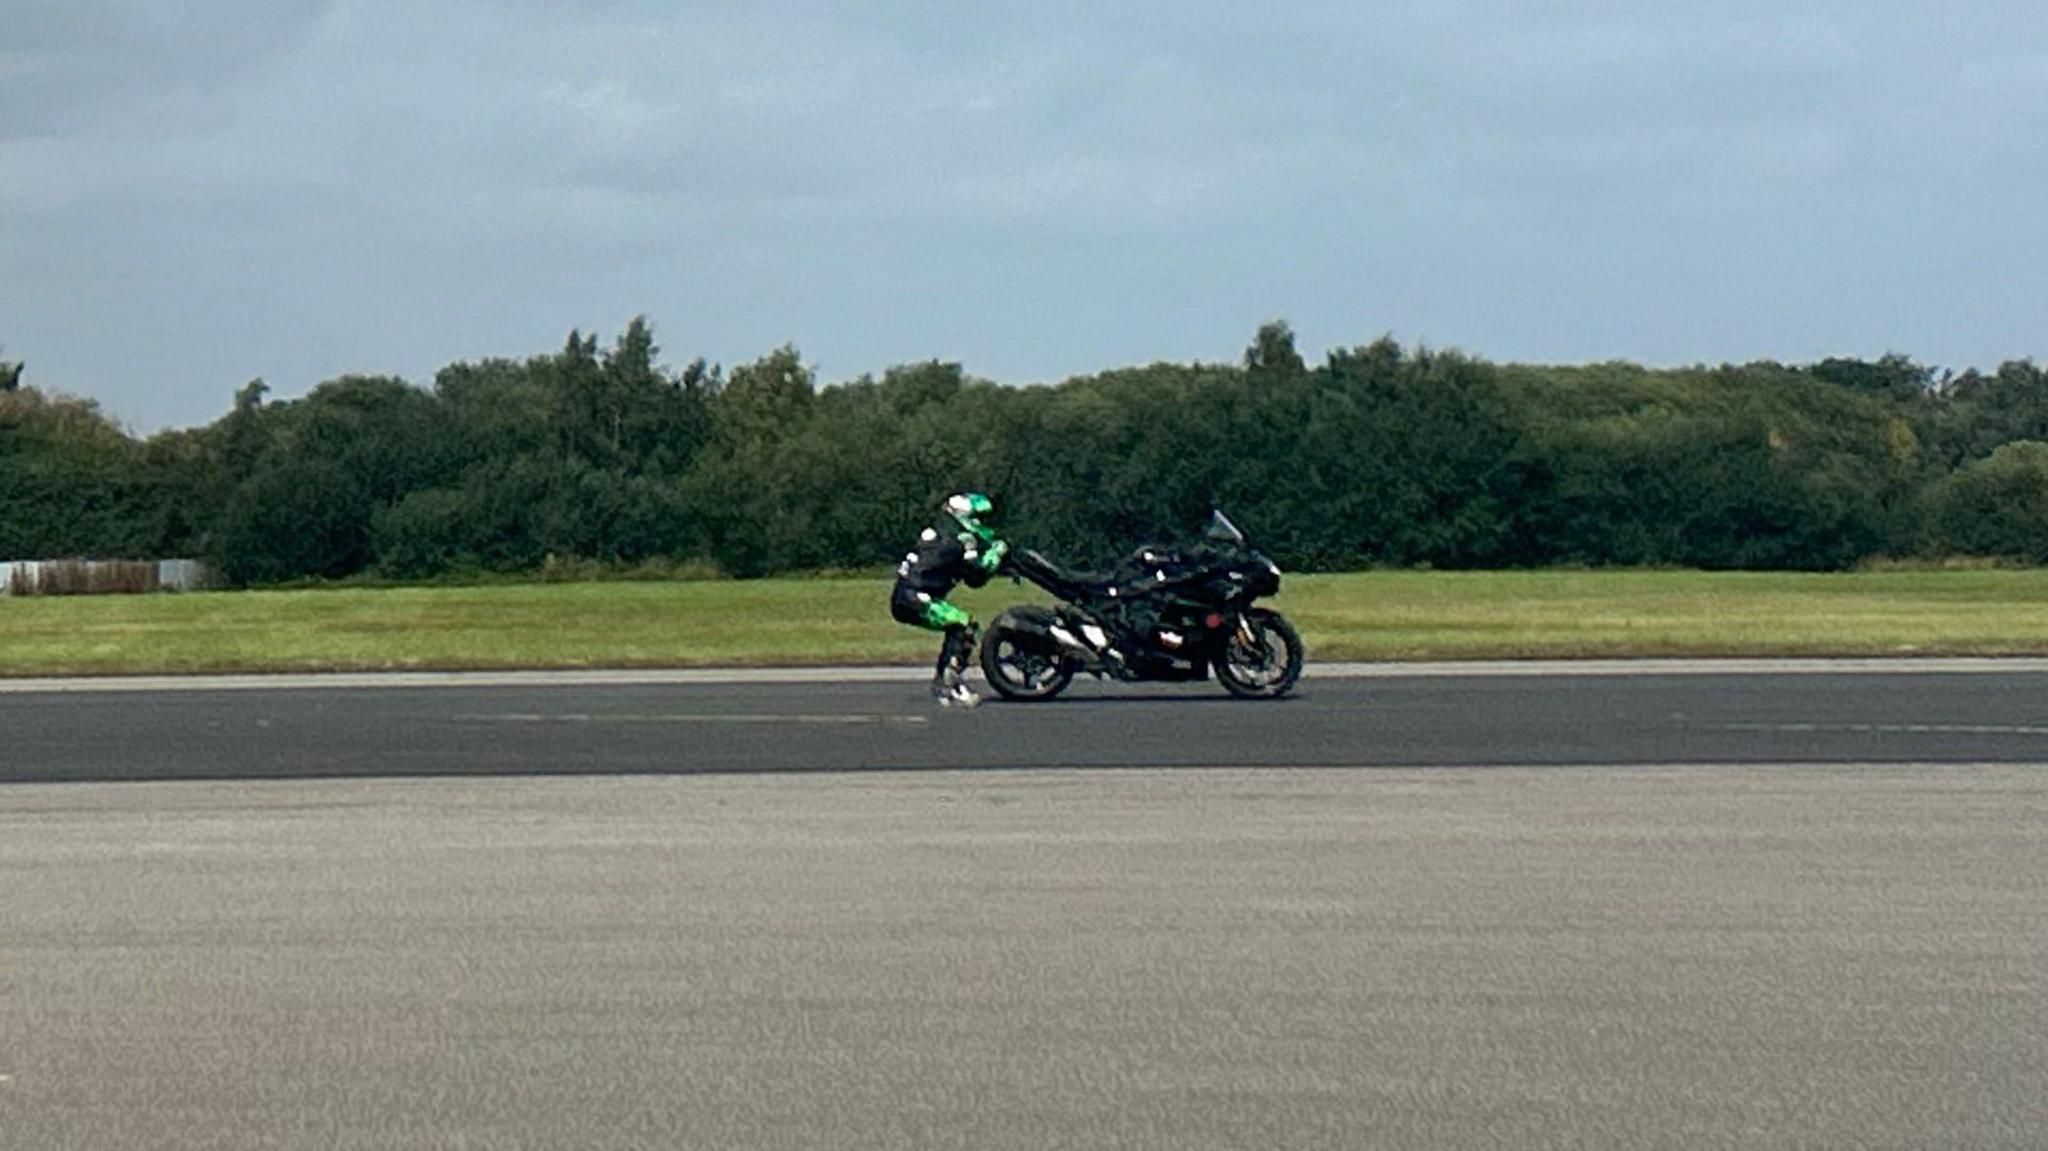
(490, 521)
(1996, 506)
(1976, 414)
(1272, 355)
(246, 432)
(742, 492)
(766, 401)
(188, 482)
(1893, 376)
(295, 518)
(1378, 455)
(322, 468)
(72, 483)
(1410, 460)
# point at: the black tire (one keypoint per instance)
(1019, 674)
(1261, 672)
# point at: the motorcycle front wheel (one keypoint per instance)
(1019, 674)
(1263, 661)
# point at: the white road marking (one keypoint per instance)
(1909, 728)
(391, 680)
(686, 677)
(1959, 665)
(576, 717)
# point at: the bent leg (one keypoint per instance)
(948, 682)
(942, 616)
(922, 609)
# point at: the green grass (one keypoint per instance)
(1373, 615)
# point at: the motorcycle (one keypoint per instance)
(1166, 613)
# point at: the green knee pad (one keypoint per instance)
(940, 615)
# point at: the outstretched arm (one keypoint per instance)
(982, 560)
(992, 557)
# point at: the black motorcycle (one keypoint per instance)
(1166, 613)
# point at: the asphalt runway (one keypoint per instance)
(828, 725)
(1585, 911)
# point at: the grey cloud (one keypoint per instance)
(298, 189)
(75, 66)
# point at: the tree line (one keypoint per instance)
(1380, 455)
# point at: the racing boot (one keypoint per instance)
(949, 683)
(955, 693)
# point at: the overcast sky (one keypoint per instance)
(195, 194)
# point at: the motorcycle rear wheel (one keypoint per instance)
(1270, 666)
(1021, 675)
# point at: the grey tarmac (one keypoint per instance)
(1674, 910)
(618, 723)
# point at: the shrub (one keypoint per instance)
(1996, 506)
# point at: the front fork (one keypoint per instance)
(1254, 641)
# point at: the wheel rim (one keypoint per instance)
(1026, 671)
(1262, 664)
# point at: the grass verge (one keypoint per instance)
(1372, 615)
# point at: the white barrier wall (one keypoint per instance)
(181, 575)
(171, 575)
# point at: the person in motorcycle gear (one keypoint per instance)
(960, 548)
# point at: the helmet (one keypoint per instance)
(969, 509)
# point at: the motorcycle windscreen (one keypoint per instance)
(1221, 530)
